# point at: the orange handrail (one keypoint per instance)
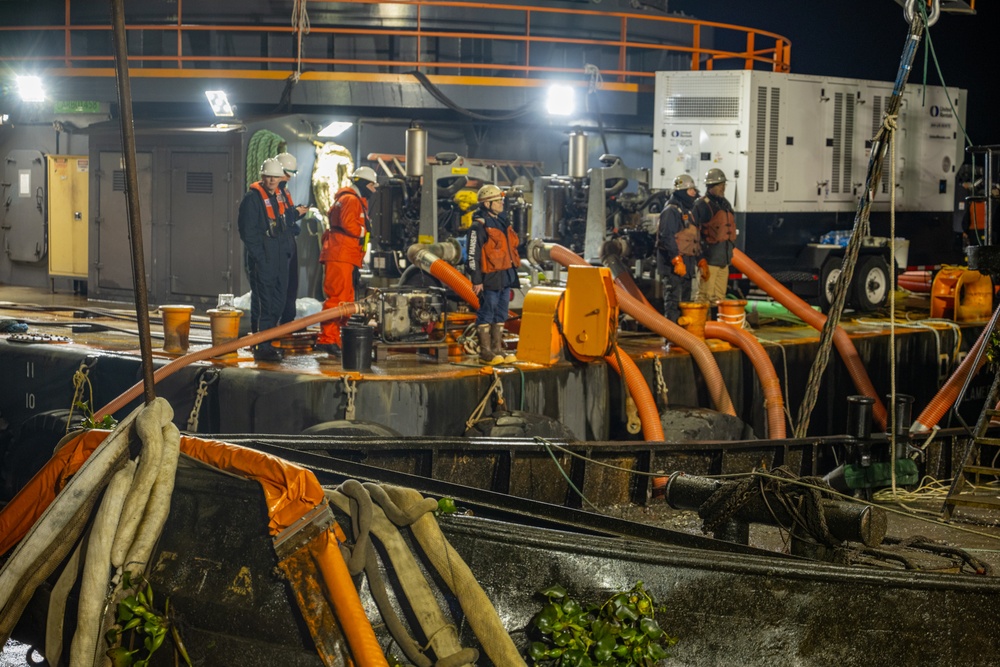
(635, 35)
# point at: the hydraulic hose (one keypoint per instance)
(774, 403)
(442, 270)
(946, 395)
(652, 428)
(653, 321)
(338, 312)
(800, 309)
(747, 342)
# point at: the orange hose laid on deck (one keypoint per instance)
(774, 403)
(341, 311)
(652, 428)
(801, 309)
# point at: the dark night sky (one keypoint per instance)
(864, 39)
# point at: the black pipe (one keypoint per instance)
(132, 196)
(846, 521)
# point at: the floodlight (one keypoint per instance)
(30, 88)
(220, 103)
(561, 100)
(335, 128)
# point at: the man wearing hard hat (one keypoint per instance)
(344, 245)
(267, 249)
(293, 214)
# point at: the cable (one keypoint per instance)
(445, 100)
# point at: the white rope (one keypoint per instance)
(300, 21)
(477, 413)
(889, 122)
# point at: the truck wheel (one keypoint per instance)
(871, 283)
(828, 276)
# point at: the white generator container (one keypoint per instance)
(801, 144)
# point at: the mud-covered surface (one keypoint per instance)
(975, 531)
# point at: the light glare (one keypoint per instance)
(30, 88)
(561, 100)
(335, 128)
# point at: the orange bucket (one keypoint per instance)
(693, 316)
(176, 328)
(225, 324)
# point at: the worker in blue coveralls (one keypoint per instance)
(678, 245)
(293, 214)
(267, 249)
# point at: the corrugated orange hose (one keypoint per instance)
(801, 309)
(652, 428)
(774, 403)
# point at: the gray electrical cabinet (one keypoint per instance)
(188, 205)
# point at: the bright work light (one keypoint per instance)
(30, 88)
(220, 103)
(561, 100)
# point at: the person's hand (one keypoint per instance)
(477, 289)
(679, 268)
(703, 267)
(302, 210)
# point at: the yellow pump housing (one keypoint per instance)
(582, 316)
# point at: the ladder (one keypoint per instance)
(959, 495)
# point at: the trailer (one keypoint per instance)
(795, 149)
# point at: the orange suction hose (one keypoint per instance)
(652, 429)
(341, 311)
(801, 309)
(774, 403)
(672, 331)
(945, 398)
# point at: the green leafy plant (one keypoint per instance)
(139, 619)
(993, 351)
(107, 422)
(622, 632)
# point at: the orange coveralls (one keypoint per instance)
(342, 254)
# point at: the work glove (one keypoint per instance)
(679, 268)
(703, 267)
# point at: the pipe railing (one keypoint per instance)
(628, 47)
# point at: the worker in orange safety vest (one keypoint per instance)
(344, 246)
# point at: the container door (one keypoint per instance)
(114, 256)
(201, 213)
(22, 216)
(68, 215)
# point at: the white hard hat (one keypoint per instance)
(288, 162)
(271, 167)
(683, 182)
(365, 174)
(489, 192)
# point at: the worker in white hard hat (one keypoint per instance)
(678, 246)
(293, 214)
(344, 246)
(714, 215)
(492, 265)
(267, 249)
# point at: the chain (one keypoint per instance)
(200, 393)
(351, 391)
(661, 384)
(80, 378)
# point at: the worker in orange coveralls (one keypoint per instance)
(344, 245)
